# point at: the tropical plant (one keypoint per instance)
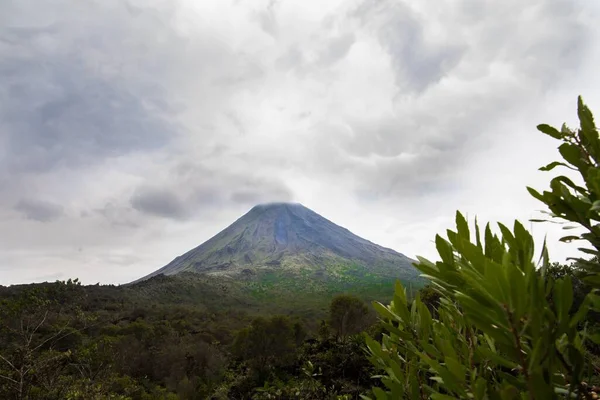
(570, 202)
(505, 327)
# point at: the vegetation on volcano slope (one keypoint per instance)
(342, 277)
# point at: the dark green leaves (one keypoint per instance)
(503, 329)
(580, 150)
(550, 131)
(462, 227)
(563, 297)
(553, 165)
(587, 125)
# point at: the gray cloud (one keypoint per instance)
(62, 105)
(39, 210)
(291, 59)
(116, 215)
(418, 62)
(424, 145)
(337, 48)
(159, 202)
(268, 20)
(260, 191)
(191, 189)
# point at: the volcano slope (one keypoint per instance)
(285, 251)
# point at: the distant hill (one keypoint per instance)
(288, 247)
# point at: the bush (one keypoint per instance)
(504, 329)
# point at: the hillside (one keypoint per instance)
(284, 246)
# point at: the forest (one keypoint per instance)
(64, 340)
(497, 320)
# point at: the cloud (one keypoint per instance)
(155, 124)
(267, 19)
(190, 190)
(451, 90)
(65, 103)
(419, 57)
(39, 210)
(158, 202)
(337, 49)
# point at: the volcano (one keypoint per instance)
(287, 239)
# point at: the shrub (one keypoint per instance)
(504, 329)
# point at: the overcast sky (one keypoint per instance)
(132, 131)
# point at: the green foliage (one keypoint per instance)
(267, 343)
(503, 329)
(571, 202)
(36, 337)
(348, 315)
(65, 341)
(431, 298)
(153, 341)
(305, 287)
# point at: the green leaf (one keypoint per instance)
(593, 280)
(413, 384)
(550, 131)
(588, 251)
(399, 292)
(535, 356)
(498, 359)
(563, 296)
(553, 165)
(397, 371)
(593, 180)
(509, 393)
(384, 312)
(456, 368)
(445, 250)
(595, 337)
(462, 226)
(586, 119)
(477, 234)
(568, 239)
(439, 396)
(480, 388)
(536, 194)
(400, 304)
(571, 154)
(569, 183)
(507, 234)
(380, 394)
(581, 312)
